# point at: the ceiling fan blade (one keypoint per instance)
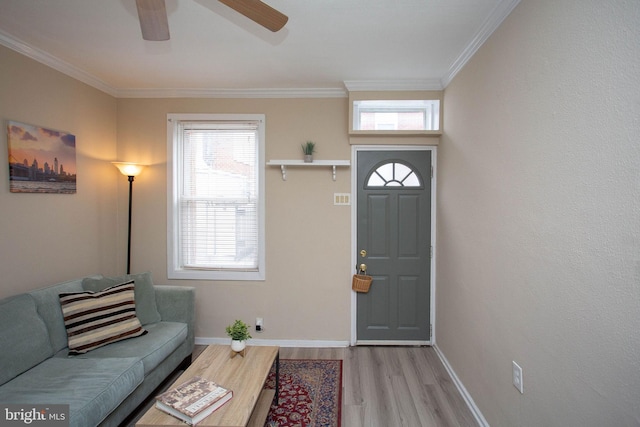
(258, 12)
(153, 20)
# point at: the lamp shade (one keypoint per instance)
(129, 169)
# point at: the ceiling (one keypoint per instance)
(327, 46)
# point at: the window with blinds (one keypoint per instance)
(217, 205)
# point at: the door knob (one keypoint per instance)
(363, 267)
(363, 253)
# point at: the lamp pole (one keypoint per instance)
(130, 170)
(131, 177)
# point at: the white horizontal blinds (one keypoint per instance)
(218, 196)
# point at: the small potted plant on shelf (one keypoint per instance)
(239, 333)
(308, 149)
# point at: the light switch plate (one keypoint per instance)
(341, 199)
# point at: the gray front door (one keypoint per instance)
(394, 228)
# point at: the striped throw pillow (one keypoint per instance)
(94, 319)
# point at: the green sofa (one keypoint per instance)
(105, 385)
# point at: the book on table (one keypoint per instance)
(193, 400)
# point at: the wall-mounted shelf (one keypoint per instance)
(333, 164)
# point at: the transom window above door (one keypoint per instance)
(374, 113)
(394, 174)
(396, 115)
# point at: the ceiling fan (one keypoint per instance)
(155, 27)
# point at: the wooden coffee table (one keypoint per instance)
(245, 376)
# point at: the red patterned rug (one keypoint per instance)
(310, 394)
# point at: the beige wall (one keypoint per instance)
(51, 238)
(539, 217)
(46, 238)
(538, 212)
(306, 295)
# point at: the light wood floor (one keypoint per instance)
(391, 386)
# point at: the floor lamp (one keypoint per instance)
(131, 170)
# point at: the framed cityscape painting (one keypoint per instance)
(41, 160)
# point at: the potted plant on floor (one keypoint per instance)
(308, 149)
(239, 333)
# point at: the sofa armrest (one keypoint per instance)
(177, 304)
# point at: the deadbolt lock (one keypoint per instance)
(363, 253)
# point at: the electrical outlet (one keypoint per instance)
(259, 324)
(517, 377)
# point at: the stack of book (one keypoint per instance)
(193, 400)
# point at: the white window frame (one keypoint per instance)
(174, 269)
(429, 109)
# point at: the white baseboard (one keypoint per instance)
(463, 391)
(280, 343)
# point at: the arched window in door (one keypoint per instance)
(394, 174)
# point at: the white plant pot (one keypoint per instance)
(238, 346)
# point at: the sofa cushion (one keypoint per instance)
(146, 308)
(92, 388)
(94, 319)
(162, 339)
(48, 304)
(24, 338)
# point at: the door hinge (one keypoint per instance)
(430, 330)
(431, 171)
(430, 251)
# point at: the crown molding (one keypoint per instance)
(233, 93)
(392, 85)
(81, 75)
(499, 14)
(54, 62)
